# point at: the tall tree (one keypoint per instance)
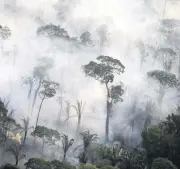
(40, 73)
(88, 139)
(48, 91)
(165, 81)
(104, 72)
(25, 128)
(79, 108)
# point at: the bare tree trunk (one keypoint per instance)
(78, 125)
(179, 69)
(39, 111)
(17, 160)
(25, 135)
(161, 96)
(108, 115)
(64, 156)
(35, 95)
(164, 11)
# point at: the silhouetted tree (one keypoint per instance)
(86, 38)
(48, 91)
(88, 139)
(47, 135)
(66, 144)
(104, 72)
(165, 80)
(25, 128)
(16, 151)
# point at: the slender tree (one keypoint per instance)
(66, 144)
(16, 151)
(68, 109)
(40, 73)
(104, 72)
(88, 139)
(48, 91)
(25, 128)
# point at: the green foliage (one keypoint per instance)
(5, 32)
(53, 31)
(66, 144)
(9, 166)
(86, 166)
(104, 71)
(167, 80)
(112, 154)
(108, 167)
(116, 93)
(88, 139)
(132, 160)
(102, 162)
(37, 163)
(49, 88)
(86, 38)
(41, 132)
(162, 163)
(59, 165)
(163, 140)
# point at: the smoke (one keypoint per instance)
(128, 21)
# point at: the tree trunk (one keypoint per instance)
(25, 135)
(108, 107)
(179, 69)
(78, 125)
(35, 95)
(164, 10)
(161, 96)
(17, 162)
(39, 111)
(64, 156)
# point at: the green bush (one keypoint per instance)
(87, 166)
(55, 164)
(162, 163)
(102, 163)
(37, 163)
(8, 166)
(108, 167)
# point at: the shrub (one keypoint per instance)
(162, 163)
(87, 166)
(102, 163)
(108, 167)
(8, 166)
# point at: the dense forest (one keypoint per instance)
(89, 86)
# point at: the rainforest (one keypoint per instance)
(89, 84)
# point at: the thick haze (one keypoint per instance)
(128, 21)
